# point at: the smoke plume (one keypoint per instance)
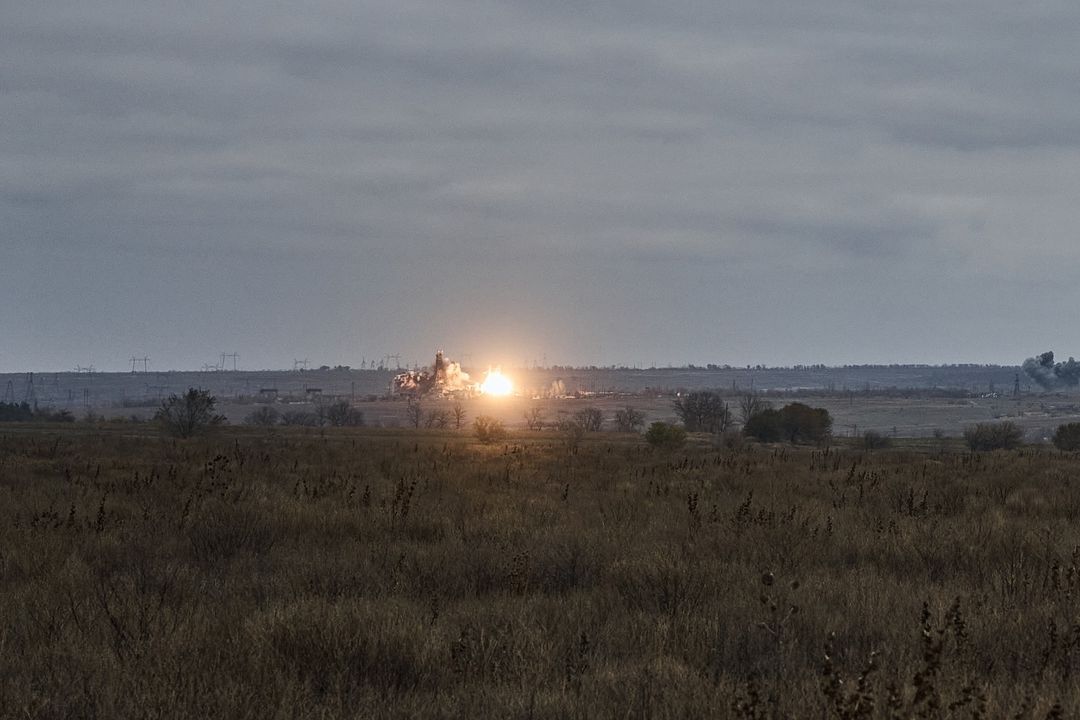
(1050, 375)
(446, 378)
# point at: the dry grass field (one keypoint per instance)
(289, 573)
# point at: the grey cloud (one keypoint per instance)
(561, 161)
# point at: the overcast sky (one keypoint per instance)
(595, 183)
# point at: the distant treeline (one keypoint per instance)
(23, 412)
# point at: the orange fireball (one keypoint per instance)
(497, 384)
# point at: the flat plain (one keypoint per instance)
(306, 573)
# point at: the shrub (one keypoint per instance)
(665, 436)
(765, 425)
(188, 414)
(572, 432)
(802, 423)
(12, 412)
(299, 418)
(794, 423)
(50, 415)
(591, 419)
(873, 440)
(488, 429)
(342, 414)
(993, 436)
(1067, 437)
(264, 417)
(629, 420)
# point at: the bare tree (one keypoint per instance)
(414, 414)
(750, 405)
(591, 419)
(437, 419)
(458, 412)
(703, 411)
(629, 420)
(534, 418)
(299, 418)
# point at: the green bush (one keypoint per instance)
(1067, 437)
(665, 436)
(993, 436)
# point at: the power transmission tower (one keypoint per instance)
(300, 364)
(30, 396)
(145, 363)
(232, 355)
(9, 394)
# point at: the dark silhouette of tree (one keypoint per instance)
(12, 412)
(342, 414)
(188, 414)
(751, 404)
(765, 425)
(591, 419)
(794, 423)
(802, 423)
(629, 420)
(1067, 437)
(703, 411)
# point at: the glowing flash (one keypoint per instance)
(496, 384)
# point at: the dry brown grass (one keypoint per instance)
(364, 573)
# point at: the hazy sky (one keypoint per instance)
(630, 183)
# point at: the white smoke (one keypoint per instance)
(445, 377)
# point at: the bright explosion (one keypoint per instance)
(496, 384)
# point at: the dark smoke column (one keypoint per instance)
(1050, 375)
